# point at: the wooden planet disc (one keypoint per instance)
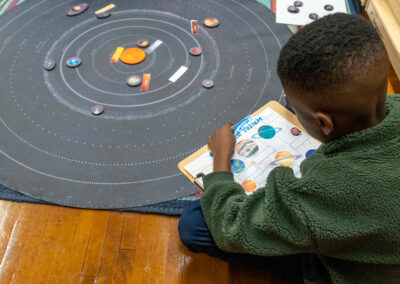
(77, 9)
(211, 22)
(143, 43)
(132, 55)
(195, 51)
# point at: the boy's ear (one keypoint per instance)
(325, 123)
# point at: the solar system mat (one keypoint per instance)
(100, 101)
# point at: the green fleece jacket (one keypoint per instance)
(345, 208)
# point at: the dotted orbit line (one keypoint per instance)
(265, 51)
(101, 146)
(69, 159)
(92, 163)
(83, 181)
(142, 117)
(68, 139)
(84, 143)
(204, 105)
(66, 179)
(234, 29)
(247, 53)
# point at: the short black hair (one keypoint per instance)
(332, 51)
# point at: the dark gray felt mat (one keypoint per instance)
(172, 207)
(52, 148)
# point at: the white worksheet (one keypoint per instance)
(263, 142)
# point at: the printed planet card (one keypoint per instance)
(264, 141)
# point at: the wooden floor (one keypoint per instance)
(51, 244)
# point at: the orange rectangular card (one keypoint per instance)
(145, 82)
(195, 26)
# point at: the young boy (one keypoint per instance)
(340, 222)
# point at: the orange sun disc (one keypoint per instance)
(132, 55)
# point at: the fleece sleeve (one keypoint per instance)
(269, 222)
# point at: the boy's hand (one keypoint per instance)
(221, 144)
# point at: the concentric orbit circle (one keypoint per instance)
(152, 60)
(97, 89)
(153, 56)
(122, 94)
(114, 105)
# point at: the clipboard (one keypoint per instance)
(274, 105)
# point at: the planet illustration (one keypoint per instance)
(266, 132)
(246, 148)
(295, 131)
(310, 152)
(237, 166)
(249, 186)
(284, 159)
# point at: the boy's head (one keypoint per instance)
(334, 73)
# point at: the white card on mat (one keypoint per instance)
(283, 16)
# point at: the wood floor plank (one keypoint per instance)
(221, 271)
(4, 211)
(159, 249)
(87, 280)
(109, 258)
(74, 265)
(25, 267)
(104, 279)
(65, 241)
(10, 214)
(141, 267)
(243, 275)
(126, 259)
(175, 255)
(96, 243)
(199, 269)
(129, 233)
(18, 238)
(55, 244)
(61, 215)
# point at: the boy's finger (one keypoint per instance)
(228, 125)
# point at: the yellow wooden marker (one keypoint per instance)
(117, 54)
(106, 8)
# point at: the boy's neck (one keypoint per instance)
(363, 119)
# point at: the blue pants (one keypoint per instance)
(196, 237)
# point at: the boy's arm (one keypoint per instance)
(268, 222)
